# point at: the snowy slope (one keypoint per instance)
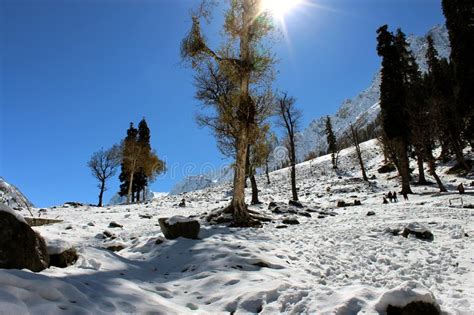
(364, 108)
(348, 263)
(12, 196)
(192, 183)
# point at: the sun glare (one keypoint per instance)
(279, 8)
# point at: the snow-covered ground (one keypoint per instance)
(341, 264)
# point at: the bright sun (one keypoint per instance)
(279, 8)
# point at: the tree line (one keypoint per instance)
(138, 162)
(420, 111)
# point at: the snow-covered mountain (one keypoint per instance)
(360, 110)
(193, 183)
(364, 108)
(12, 196)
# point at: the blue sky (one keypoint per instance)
(74, 74)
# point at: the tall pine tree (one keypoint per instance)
(393, 100)
(415, 101)
(440, 84)
(332, 142)
(460, 23)
(132, 134)
(141, 178)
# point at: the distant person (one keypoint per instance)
(390, 196)
(395, 199)
(182, 204)
(461, 189)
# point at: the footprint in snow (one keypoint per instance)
(165, 295)
(107, 306)
(233, 282)
(126, 307)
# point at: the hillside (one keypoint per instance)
(360, 110)
(336, 261)
(12, 196)
(364, 107)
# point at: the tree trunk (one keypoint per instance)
(432, 169)
(101, 194)
(294, 192)
(246, 116)
(404, 166)
(130, 192)
(355, 138)
(138, 195)
(362, 167)
(253, 181)
(251, 175)
(267, 172)
(444, 150)
(421, 169)
(239, 208)
(457, 148)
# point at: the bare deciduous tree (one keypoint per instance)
(104, 165)
(289, 119)
(356, 142)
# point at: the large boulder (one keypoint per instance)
(409, 298)
(20, 246)
(413, 308)
(179, 226)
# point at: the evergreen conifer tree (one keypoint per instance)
(393, 99)
(141, 179)
(132, 134)
(460, 23)
(332, 142)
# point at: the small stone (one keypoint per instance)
(272, 205)
(115, 248)
(290, 221)
(370, 213)
(296, 204)
(64, 259)
(115, 225)
(419, 231)
(341, 204)
(107, 234)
